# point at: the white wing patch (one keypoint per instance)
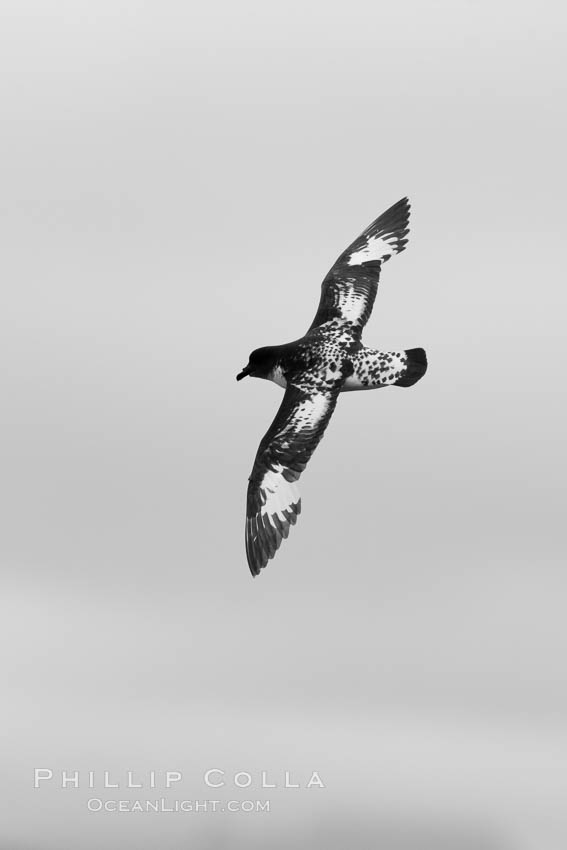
(377, 248)
(278, 495)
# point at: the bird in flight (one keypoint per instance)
(329, 359)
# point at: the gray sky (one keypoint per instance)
(176, 181)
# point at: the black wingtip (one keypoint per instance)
(393, 222)
(264, 534)
(391, 226)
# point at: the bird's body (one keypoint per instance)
(329, 359)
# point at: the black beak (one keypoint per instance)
(245, 371)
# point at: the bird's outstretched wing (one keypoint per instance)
(273, 500)
(349, 289)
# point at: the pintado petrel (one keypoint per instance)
(313, 370)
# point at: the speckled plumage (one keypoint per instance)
(314, 370)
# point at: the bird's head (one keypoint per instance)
(260, 363)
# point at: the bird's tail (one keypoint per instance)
(416, 367)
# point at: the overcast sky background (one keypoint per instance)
(176, 181)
